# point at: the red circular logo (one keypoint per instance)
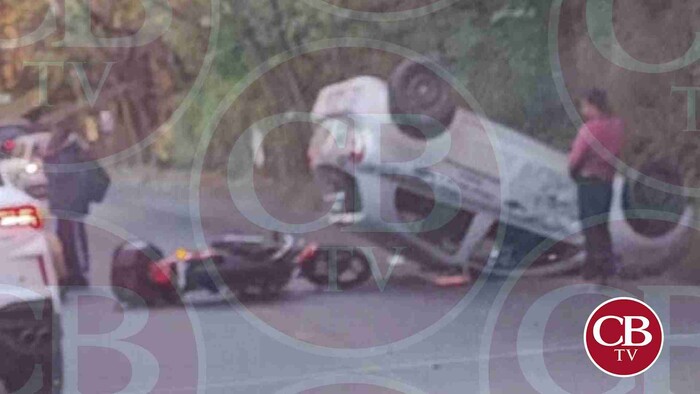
(623, 337)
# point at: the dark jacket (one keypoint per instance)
(66, 188)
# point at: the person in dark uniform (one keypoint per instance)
(592, 164)
(70, 193)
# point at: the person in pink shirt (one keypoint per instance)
(592, 163)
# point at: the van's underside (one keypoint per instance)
(452, 234)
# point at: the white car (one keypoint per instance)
(485, 177)
(22, 163)
(30, 305)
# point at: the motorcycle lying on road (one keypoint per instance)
(247, 266)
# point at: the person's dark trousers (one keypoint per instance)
(595, 199)
(73, 236)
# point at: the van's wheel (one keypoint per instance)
(420, 101)
(353, 269)
(650, 211)
(658, 213)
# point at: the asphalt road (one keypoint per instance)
(408, 336)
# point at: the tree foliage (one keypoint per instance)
(139, 84)
(496, 48)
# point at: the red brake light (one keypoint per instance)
(357, 154)
(9, 145)
(27, 216)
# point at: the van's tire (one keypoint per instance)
(421, 98)
(131, 282)
(654, 212)
(657, 217)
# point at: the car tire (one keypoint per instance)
(28, 341)
(420, 101)
(655, 222)
(637, 196)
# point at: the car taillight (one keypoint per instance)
(27, 216)
(357, 154)
(8, 146)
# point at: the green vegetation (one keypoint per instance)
(497, 49)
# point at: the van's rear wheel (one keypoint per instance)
(420, 101)
(654, 210)
(657, 217)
